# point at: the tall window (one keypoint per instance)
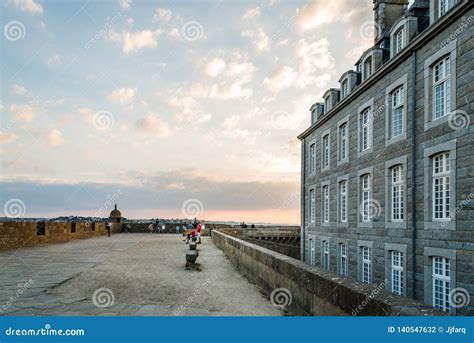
(368, 69)
(441, 187)
(312, 158)
(312, 206)
(366, 265)
(327, 103)
(397, 272)
(345, 88)
(343, 259)
(326, 151)
(397, 194)
(397, 111)
(441, 88)
(399, 40)
(312, 251)
(365, 128)
(366, 196)
(325, 261)
(326, 204)
(441, 283)
(343, 201)
(444, 6)
(343, 141)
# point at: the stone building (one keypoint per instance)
(387, 166)
(116, 218)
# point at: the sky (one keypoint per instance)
(170, 109)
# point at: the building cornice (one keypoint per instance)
(422, 39)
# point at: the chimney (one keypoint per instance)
(386, 12)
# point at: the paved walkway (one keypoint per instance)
(127, 274)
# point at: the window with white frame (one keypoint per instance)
(368, 69)
(366, 264)
(397, 194)
(325, 213)
(441, 283)
(399, 40)
(397, 111)
(343, 201)
(326, 151)
(444, 6)
(343, 143)
(441, 88)
(312, 205)
(312, 158)
(441, 187)
(397, 272)
(343, 259)
(365, 130)
(366, 198)
(312, 251)
(344, 88)
(325, 260)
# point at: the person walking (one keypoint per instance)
(199, 231)
(150, 227)
(108, 226)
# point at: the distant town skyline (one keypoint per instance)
(184, 107)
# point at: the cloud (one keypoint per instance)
(188, 110)
(55, 59)
(215, 67)
(125, 4)
(315, 62)
(122, 96)
(320, 12)
(7, 137)
(259, 38)
(54, 138)
(134, 41)
(87, 114)
(280, 79)
(22, 112)
(29, 6)
(152, 124)
(162, 15)
(252, 13)
(18, 89)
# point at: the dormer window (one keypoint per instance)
(399, 40)
(344, 89)
(368, 69)
(444, 6)
(327, 103)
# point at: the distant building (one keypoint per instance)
(387, 163)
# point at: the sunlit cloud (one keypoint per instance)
(29, 6)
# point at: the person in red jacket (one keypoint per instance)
(199, 231)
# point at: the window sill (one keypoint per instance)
(344, 161)
(343, 225)
(397, 139)
(366, 224)
(435, 122)
(396, 225)
(365, 152)
(440, 225)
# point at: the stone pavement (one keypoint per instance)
(126, 274)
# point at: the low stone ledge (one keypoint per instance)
(315, 291)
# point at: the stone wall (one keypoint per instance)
(24, 234)
(313, 290)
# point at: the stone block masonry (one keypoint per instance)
(15, 235)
